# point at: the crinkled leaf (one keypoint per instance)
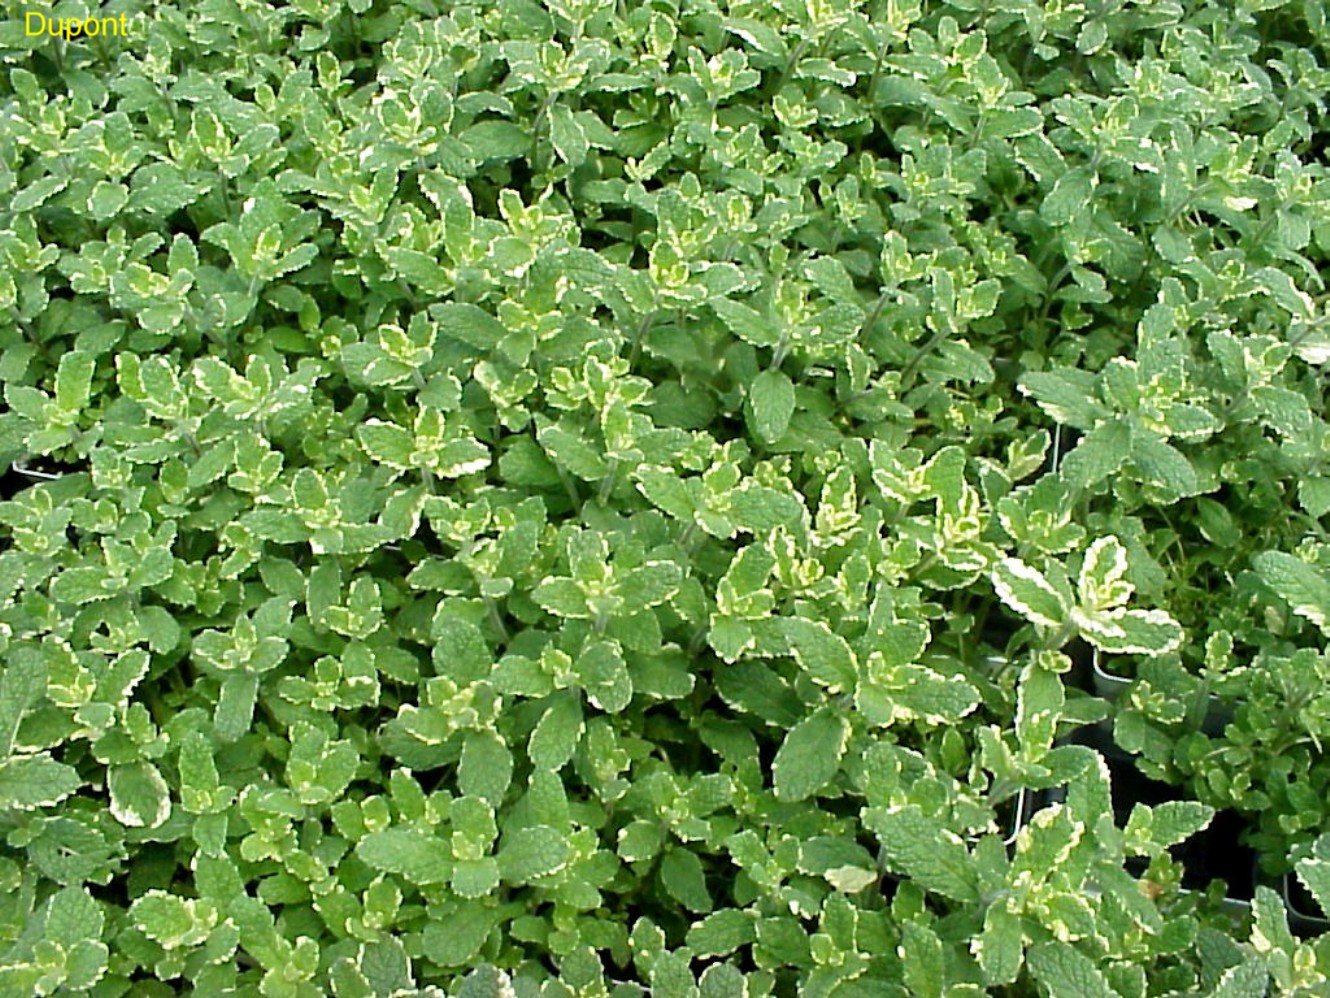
(1068, 973)
(1302, 586)
(416, 855)
(925, 850)
(822, 653)
(28, 782)
(810, 756)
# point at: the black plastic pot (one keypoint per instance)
(1215, 853)
(1304, 916)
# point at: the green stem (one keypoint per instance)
(933, 341)
(608, 482)
(496, 619)
(639, 336)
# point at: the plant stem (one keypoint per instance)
(908, 370)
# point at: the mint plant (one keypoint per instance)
(569, 498)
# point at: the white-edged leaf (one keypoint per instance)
(1102, 581)
(1025, 590)
(139, 797)
(28, 782)
(1130, 632)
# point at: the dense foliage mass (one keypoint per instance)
(595, 498)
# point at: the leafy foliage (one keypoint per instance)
(575, 498)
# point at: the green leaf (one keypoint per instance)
(923, 961)
(770, 405)
(1001, 946)
(454, 942)
(235, 706)
(745, 323)
(682, 877)
(567, 136)
(557, 733)
(386, 967)
(604, 676)
(1068, 395)
(1249, 979)
(1039, 703)
(1314, 494)
(1269, 929)
(650, 584)
(1161, 464)
(530, 853)
(486, 768)
(810, 756)
(562, 597)
(73, 917)
(139, 796)
(416, 855)
(173, 922)
(1151, 830)
(1067, 973)
(757, 690)
(475, 878)
(1026, 591)
(29, 782)
(1315, 876)
(926, 851)
(387, 444)
(21, 683)
(73, 381)
(1299, 584)
(1070, 197)
(722, 932)
(107, 199)
(199, 781)
(38, 192)
(823, 654)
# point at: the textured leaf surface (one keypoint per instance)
(810, 756)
